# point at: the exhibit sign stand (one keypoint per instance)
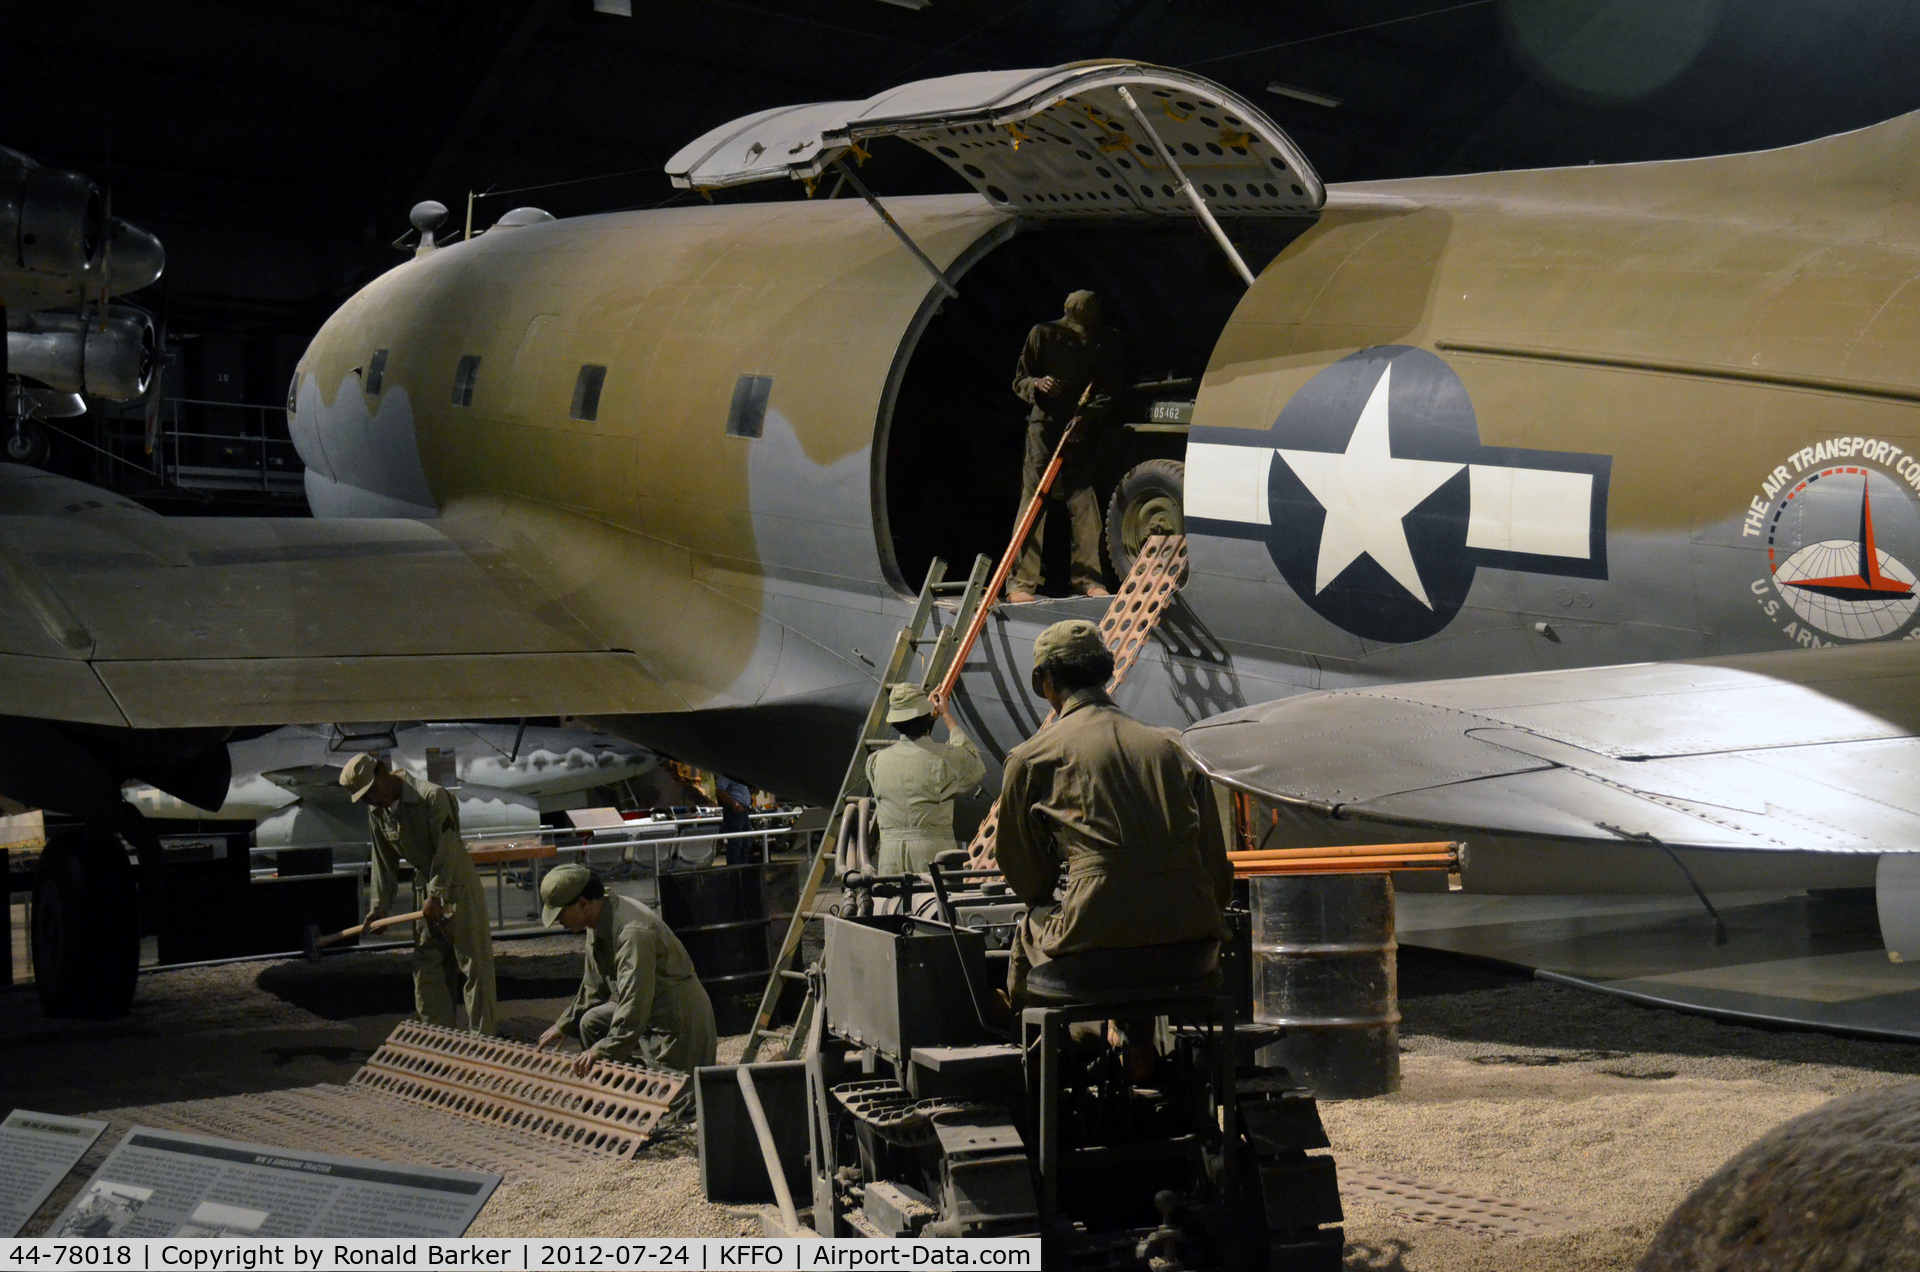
(169, 1184)
(36, 1152)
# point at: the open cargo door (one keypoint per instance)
(1061, 142)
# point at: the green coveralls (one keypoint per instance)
(639, 998)
(914, 782)
(454, 958)
(1135, 824)
(1075, 359)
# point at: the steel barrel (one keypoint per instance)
(1324, 968)
(720, 915)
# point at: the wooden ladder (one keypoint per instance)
(940, 653)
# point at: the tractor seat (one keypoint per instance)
(1146, 973)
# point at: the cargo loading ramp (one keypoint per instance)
(1055, 143)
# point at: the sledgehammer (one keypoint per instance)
(317, 942)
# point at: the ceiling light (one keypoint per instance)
(1302, 95)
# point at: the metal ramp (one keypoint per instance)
(940, 654)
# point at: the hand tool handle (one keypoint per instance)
(991, 597)
(375, 926)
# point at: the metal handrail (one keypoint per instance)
(168, 430)
(239, 406)
(546, 832)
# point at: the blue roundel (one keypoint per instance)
(1344, 560)
(1378, 503)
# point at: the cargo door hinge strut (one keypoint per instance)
(1186, 188)
(860, 188)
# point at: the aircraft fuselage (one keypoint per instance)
(1460, 426)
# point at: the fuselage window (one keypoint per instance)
(586, 392)
(464, 376)
(747, 416)
(376, 372)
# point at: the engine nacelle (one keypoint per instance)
(133, 258)
(51, 222)
(77, 353)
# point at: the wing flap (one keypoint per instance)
(1331, 748)
(253, 587)
(110, 614)
(248, 691)
(1687, 708)
(1812, 750)
(56, 689)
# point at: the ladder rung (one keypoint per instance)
(964, 598)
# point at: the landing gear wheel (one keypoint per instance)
(28, 443)
(86, 938)
(1148, 501)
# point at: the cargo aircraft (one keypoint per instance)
(1640, 443)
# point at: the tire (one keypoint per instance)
(86, 937)
(26, 443)
(1149, 500)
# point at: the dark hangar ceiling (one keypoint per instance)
(275, 148)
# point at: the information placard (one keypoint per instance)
(36, 1152)
(170, 1184)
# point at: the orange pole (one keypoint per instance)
(1343, 850)
(1357, 863)
(1348, 867)
(1000, 572)
(1425, 861)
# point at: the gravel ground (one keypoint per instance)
(658, 1194)
(1522, 1090)
(1539, 1093)
(655, 1195)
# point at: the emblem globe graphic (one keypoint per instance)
(1851, 588)
(1851, 617)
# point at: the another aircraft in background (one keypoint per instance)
(63, 257)
(503, 775)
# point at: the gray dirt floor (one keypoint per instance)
(1515, 1089)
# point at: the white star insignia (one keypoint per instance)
(1366, 492)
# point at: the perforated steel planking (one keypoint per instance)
(1135, 611)
(610, 1112)
(358, 1122)
(1451, 1207)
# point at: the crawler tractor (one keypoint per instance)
(1116, 1116)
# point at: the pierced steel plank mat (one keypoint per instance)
(609, 1113)
(358, 1123)
(1420, 1202)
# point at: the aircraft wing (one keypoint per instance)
(112, 615)
(1810, 750)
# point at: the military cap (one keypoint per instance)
(1074, 639)
(359, 773)
(560, 889)
(907, 702)
(1082, 310)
